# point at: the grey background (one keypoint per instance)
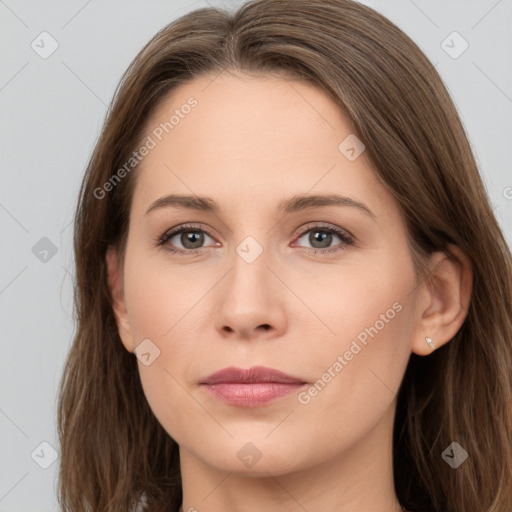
(52, 112)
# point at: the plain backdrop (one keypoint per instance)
(52, 110)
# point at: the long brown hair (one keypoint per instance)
(113, 450)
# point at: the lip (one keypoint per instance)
(252, 387)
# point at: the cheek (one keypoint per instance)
(158, 296)
(160, 302)
(366, 344)
(361, 302)
(357, 373)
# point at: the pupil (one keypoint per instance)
(192, 237)
(324, 238)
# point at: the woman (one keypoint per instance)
(291, 289)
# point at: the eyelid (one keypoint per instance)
(323, 225)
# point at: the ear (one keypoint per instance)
(445, 296)
(116, 286)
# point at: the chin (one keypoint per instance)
(253, 456)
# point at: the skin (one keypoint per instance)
(251, 142)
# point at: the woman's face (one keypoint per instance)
(294, 257)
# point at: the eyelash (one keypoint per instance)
(345, 237)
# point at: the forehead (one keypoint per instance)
(248, 137)
(249, 117)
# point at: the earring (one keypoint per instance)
(429, 341)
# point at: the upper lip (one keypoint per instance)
(251, 375)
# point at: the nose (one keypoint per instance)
(250, 301)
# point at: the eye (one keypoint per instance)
(321, 238)
(185, 239)
(190, 239)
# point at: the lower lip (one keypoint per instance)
(251, 394)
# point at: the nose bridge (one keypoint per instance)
(248, 298)
(249, 278)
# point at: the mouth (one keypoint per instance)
(251, 387)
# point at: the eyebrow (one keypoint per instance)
(293, 204)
